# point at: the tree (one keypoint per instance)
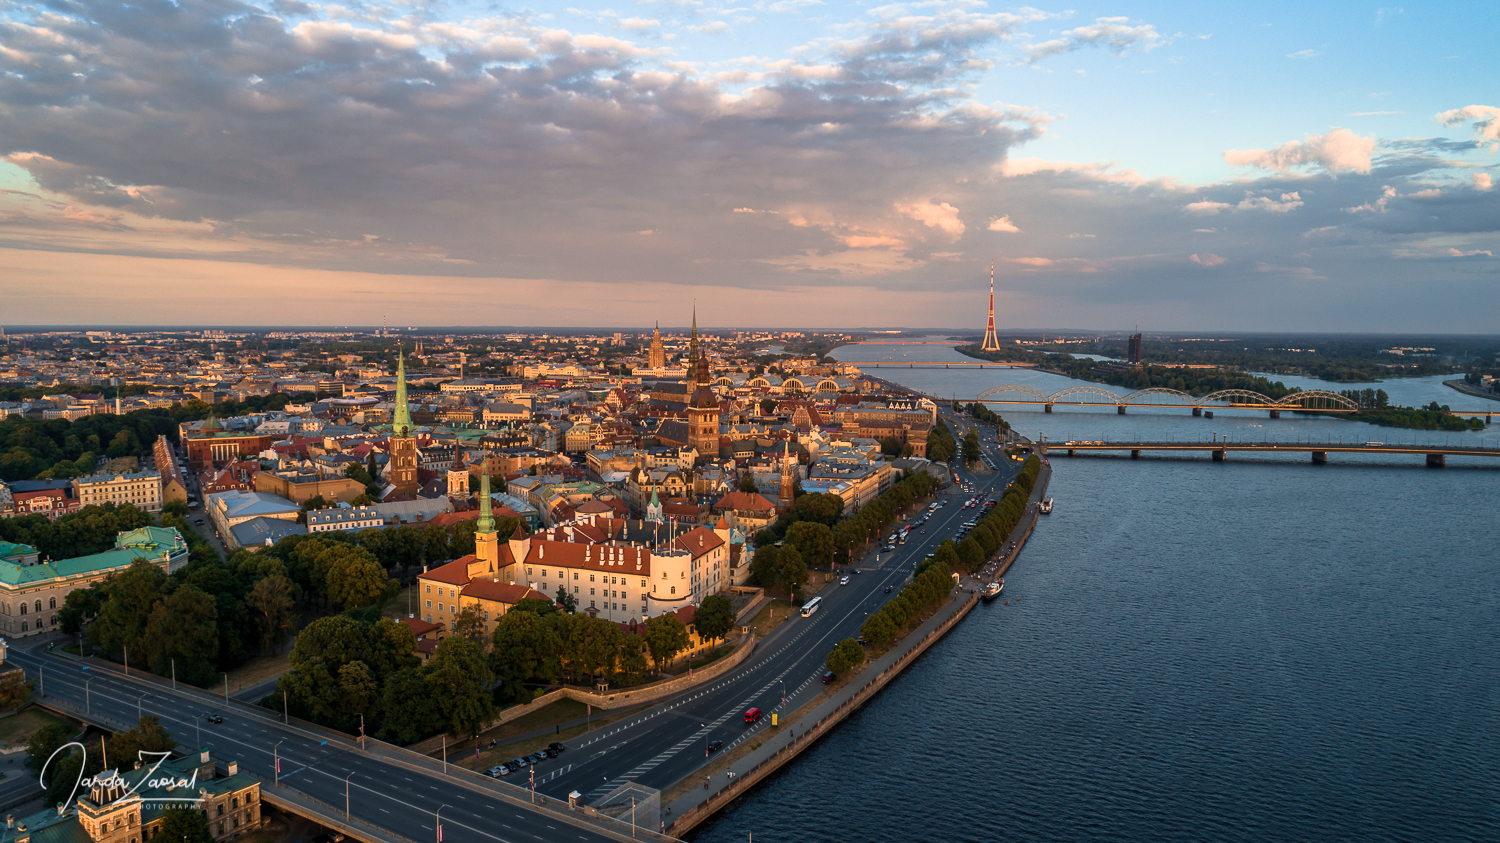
(459, 678)
(146, 736)
(183, 629)
(767, 406)
(633, 656)
(183, 825)
(80, 605)
(525, 649)
(177, 508)
(470, 624)
(845, 656)
(714, 618)
(536, 606)
(408, 711)
(971, 446)
(791, 571)
(565, 601)
(45, 741)
(747, 484)
(813, 541)
(14, 690)
(356, 579)
(763, 565)
(878, 628)
(129, 599)
(270, 599)
(666, 636)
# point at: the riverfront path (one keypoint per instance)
(668, 742)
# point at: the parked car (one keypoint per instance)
(555, 746)
(828, 676)
(518, 763)
(497, 772)
(537, 757)
(550, 752)
(715, 746)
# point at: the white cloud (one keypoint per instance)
(1304, 54)
(1076, 236)
(1378, 206)
(1207, 208)
(1483, 181)
(1486, 120)
(1097, 170)
(1004, 224)
(1207, 259)
(1114, 33)
(1458, 253)
(1288, 202)
(943, 217)
(1301, 272)
(1340, 149)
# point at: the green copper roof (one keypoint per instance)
(153, 544)
(401, 423)
(486, 518)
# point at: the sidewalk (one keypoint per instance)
(785, 738)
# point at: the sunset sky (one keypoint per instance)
(1175, 166)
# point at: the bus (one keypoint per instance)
(811, 606)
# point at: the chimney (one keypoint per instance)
(234, 768)
(203, 757)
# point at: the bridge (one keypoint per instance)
(1220, 448)
(935, 364)
(1090, 395)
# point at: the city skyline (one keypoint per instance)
(802, 165)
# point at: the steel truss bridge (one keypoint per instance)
(1089, 395)
(1219, 448)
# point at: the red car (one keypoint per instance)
(752, 715)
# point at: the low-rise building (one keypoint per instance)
(344, 518)
(141, 489)
(228, 509)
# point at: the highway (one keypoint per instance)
(668, 742)
(400, 799)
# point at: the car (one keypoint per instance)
(828, 677)
(752, 714)
(887, 589)
(497, 772)
(537, 757)
(556, 747)
(844, 580)
(518, 764)
(715, 746)
(214, 717)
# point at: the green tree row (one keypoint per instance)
(940, 443)
(91, 529)
(932, 582)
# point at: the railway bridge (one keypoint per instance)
(1220, 448)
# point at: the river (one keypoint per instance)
(1192, 651)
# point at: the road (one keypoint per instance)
(668, 742)
(398, 798)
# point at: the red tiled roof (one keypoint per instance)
(420, 627)
(448, 519)
(620, 560)
(750, 501)
(500, 592)
(699, 540)
(453, 573)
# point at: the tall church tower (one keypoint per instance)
(703, 405)
(486, 564)
(788, 478)
(458, 476)
(404, 459)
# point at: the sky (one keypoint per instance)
(1259, 166)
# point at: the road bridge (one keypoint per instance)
(1220, 448)
(1093, 395)
(936, 364)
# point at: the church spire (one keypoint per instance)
(401, 418)
(486, 518)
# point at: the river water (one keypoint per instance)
(1247, 651)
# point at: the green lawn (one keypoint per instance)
(16, 728)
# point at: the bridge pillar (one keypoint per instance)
(1275, 414)
(1208, 414)
(1047, 408)
(1135, 454)
(1120, 408)
(1320, 457)
(1435, 461)
(1070, 452)
(1219, 455)
(1197, 411)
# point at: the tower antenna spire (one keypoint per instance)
(991, 343)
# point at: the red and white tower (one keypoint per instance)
(990, 342)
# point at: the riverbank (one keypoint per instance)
(1469, 390)
(699, 804)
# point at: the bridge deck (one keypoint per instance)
(1295, 447)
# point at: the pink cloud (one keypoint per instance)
(1207, 259)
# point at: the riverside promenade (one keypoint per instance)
(782, 744)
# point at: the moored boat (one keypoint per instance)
(992, 590)
(1045, 507)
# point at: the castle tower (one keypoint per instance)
(486, 540)
(458, 476)
(990, 342)
(404, 459)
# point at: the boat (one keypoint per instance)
(992, 590)
(1045, 507)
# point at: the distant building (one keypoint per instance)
(405, 461)
(228, 509)
(1135, 349)
(141, 489)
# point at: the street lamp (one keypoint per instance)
(438, 822)
(138, 706)
(87, 704)
(277, 756)
(346, 794)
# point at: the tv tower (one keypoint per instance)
(990, 342)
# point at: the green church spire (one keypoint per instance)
(486, 518)
(401, 421)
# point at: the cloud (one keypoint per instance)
(1486, 120)
(1287, 202)
(1459, 253)
(1304, 54)
(1374, 113)
(1003, 224)
(1340, 149)
(1299, 272)
(1101, 171)
(1378, 206)
(1206, 208)
(1207, 259)
(1076, 236)
(1483, 181)
(1116, 34)
(943, 217)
